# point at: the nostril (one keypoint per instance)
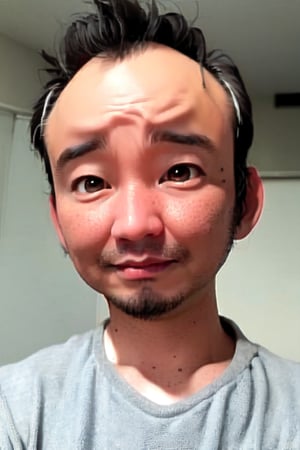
(137, 228)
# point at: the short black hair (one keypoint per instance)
(119, 27)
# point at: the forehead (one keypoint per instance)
(153, 87)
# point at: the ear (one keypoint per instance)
(55, 222)
(253, 204)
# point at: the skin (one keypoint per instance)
(149, 234)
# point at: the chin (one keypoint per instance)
(146, 304)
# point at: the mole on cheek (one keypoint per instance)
(222, 171)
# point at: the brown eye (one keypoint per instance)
(90, 184)
(181, 173)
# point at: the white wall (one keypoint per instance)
(277, 137)
(19, 86)
(6, 130)
(19, 74)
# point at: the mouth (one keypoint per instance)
(144, 269)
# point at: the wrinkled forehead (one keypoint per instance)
(158, 85)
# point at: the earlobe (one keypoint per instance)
(252, 206)
(55, 222)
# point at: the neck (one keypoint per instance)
(172, 356)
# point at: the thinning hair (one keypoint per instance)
(117, 28)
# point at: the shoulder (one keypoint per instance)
(47, 371)
(276, 396)
(261, 362)
(50, 362)
(277, 369)
(264, 373)
(34, 386)
(274, 383)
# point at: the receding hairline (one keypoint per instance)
(110, 59)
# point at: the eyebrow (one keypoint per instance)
(191, 139)
(76, 151)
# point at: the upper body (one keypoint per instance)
(70, 396)
(144, 136)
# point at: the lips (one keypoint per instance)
(147, 268)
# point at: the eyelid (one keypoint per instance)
(75, 183)
(200, 171)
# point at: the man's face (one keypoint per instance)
(142, 160)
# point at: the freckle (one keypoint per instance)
(153, 367)
(222, 169)
(180, 369)
(174, 356)
(223, 181)
(116, 330)
(194, 322)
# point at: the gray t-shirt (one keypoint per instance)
(69, 397)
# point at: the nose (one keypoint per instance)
(136, 214)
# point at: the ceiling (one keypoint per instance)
(262, 36)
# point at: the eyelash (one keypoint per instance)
(194, 172)
(191, 167)
(89, 178)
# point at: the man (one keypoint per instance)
(144, 136)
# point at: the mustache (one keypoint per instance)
(172, 252)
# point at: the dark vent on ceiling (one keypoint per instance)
(287, 100)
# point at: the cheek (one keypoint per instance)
(204, 215)
(83, 228)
